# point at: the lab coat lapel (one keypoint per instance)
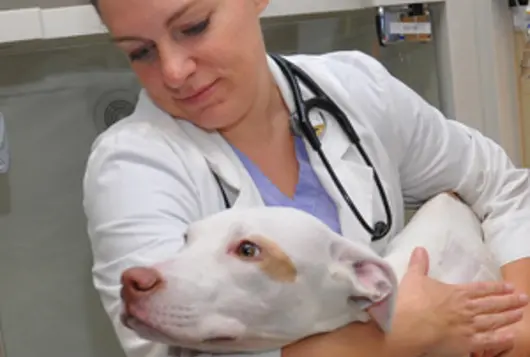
(225, 163)
(356, 178)
(353, 173)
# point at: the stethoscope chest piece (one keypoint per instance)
(380, 230)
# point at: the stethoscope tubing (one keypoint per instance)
(323, 102)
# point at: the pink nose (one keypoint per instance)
(139, 283)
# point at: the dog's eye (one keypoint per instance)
(248, 250)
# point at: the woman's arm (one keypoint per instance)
(517, 273)
(354, 340)
(439, 154)
(137, 204)
(442, 154)
(433, 154)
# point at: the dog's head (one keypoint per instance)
(254, 279)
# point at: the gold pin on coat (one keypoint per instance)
(319, 129)
(319, 125)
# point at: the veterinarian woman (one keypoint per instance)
(215, 113)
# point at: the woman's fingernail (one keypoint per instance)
(509, 286)
(523, 298)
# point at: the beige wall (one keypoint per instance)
(51, 95)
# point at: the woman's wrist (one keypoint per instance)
(401, 344)
(356, 340)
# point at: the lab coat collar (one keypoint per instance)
(334, 145)
(217, 152)
(222, 160)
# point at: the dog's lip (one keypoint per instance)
(133, 323)
(220, 339)
(128, 320)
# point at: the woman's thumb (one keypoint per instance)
(419, 261)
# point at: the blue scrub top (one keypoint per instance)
(310, 196)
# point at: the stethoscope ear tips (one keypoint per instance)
(380, 230)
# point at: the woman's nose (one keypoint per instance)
(139, 283)
(176, 66)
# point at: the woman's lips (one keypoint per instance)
(199, 96)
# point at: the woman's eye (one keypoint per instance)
(142, 53)
(197, 29)
(248, 250)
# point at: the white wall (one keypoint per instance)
(48, 96)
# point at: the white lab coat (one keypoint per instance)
(149, 175)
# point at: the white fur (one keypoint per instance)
(210, 293)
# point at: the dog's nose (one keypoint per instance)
(139, 283)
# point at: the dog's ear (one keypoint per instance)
(374, 283)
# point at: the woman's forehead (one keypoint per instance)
(140, 15)
(151, 4)
(149, 8)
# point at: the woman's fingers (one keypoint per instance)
(490, 322)
(497, 303)
(498, 340)
(487, 288)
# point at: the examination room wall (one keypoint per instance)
(55, 98)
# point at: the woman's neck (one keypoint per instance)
(266, 124)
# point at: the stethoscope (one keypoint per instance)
(303, 125)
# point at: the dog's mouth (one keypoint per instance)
(135, 323)
(219, 339)
(145, 329)
(149, 331)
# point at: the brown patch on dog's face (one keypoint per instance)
(271, 259)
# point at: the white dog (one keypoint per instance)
(261, 278)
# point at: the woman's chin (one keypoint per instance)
(214, 119)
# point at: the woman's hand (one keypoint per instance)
(454, 319)
(521, 346)
(431, 317)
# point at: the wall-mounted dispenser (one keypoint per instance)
(4, 147)
(404, 23)
(521, 16)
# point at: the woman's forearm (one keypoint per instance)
(517, 273)
(354, 340)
